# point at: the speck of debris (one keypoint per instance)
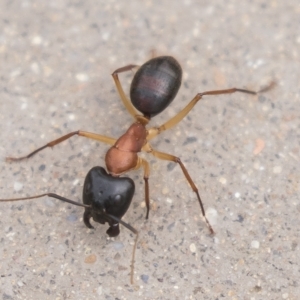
(171, 166)
(72, 218)
(240, 219)
(145, 278)
(171, 226)
(42, 167)
(189, 140)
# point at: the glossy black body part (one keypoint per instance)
(105, 193)
(155, 85)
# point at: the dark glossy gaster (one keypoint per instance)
(107, 196)
(155, 85)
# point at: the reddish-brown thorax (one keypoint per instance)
(122, 156)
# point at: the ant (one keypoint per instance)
(106, 195)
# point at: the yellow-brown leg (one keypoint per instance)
(90, 135)
(177, 118)
(169, 157)
(123, 96)
(143, 163)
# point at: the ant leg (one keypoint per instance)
(124, 98)
(169, 157)
(143, 163)
(90, 135)
(177, 118)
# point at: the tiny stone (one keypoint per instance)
(223, 180)
(193, 248)
(75, 182)
(165, 191)
(71, 117)
(169, 200)
(212, 215)
(100, 290)
(237, 195)
(145, 278)
(42, 167)
(118, 245)
(277, 169)
(82, 77)
(255, 244)
(37, 40)
(35, 68)
(18, 186)
(72, 218)
(20, 283)
(285, 296)
(90, 259)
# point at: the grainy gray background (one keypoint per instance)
(241, 150)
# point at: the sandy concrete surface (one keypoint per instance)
(241, 150)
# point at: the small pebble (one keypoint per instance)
(145, 278)
(193, 248)
(165, 191)
(100, 290)
(18, 186)
(71, 117)
(20, 283)
(37, 40)
(118, 245)
(72, 218)
(277, 169)
(212, 215)
(169, 200)
(285, 296)
(90, 259)
(255, 244)
(82, 77)
(237, 195)
(259, 146)
(223, 180)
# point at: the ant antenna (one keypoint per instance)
(109, 217)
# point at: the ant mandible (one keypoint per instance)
(107, 196)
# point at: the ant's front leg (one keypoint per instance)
(169, 157)
(130, 108)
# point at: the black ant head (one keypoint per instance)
(107, 195)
